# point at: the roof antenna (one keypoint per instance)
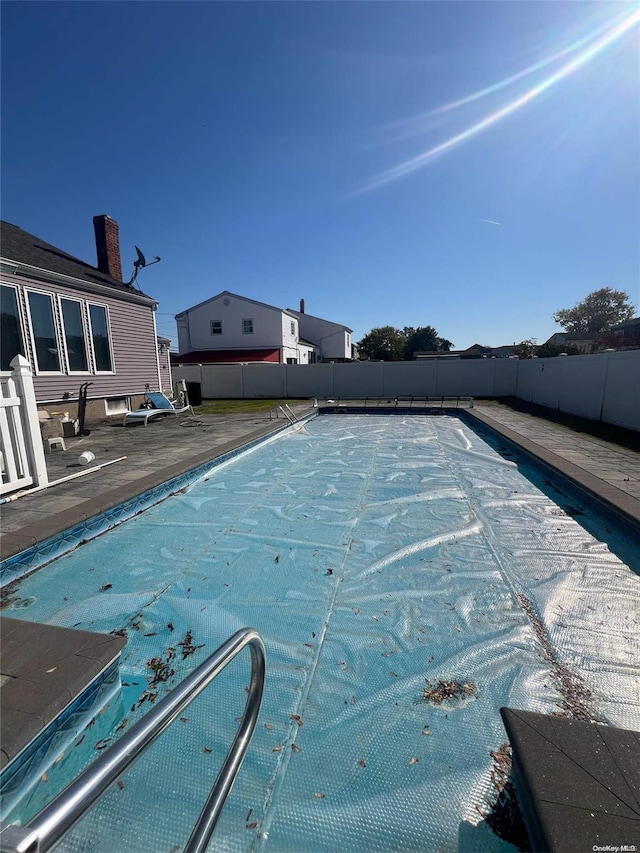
(139, 264)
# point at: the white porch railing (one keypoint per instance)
(22, 459)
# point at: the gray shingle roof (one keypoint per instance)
(19, 245)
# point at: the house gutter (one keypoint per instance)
(13, 268)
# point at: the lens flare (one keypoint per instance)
(611, 35)
(530, 69)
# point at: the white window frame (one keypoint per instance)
(293, 327)
(217, 323)
(21, 319)
(125, 406)
(88, 340)
(56, 330)
(110, 338)
(245, 329)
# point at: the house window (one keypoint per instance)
(11, 341)
(293, 327)
(247, 327)
(312, 358)
(100, 338)
(216, 327)
(74, 336)
(44, 333)
(292, 361)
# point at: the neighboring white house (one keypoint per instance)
(333, 339)
(232, 328)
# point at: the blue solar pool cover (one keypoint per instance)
(380, 558)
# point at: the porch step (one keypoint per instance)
(578, 783)
(53, 682)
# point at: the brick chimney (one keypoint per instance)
(108, 245)
(302, 306)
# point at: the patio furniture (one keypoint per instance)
(161, 404)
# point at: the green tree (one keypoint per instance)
(424, 338)
(526, 349)
(597, 312)
(385, 343)
(553, 350)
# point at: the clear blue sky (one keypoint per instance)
(265, 148)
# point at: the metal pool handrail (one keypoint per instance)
(286, 411)
(55, 819)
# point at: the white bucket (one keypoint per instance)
(86, 457)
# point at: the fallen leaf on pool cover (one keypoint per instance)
(296, 748)
(297, 718)
(206, 749)
(120, 784)
(252, 825)
(413, 761)
(362, 762)
(319, 795)
(448, 691)
(268, 726)
(277, 748)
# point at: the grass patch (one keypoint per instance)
(230, 407)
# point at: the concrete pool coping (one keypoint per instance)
(608, 472)
(37, 517)
(44, 669)
(607, 493)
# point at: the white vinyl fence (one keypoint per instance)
(22, 455)
(355, 380)
(603, 386)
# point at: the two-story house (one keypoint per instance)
(233, 328)
(332, 339)
(77, 323)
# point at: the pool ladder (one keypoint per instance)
(57, 818)
(286, 411)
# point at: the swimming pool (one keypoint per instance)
(407, 580)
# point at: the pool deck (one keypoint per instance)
(601, 459)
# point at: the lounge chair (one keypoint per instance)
(162, 405)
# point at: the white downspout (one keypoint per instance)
(155, 338)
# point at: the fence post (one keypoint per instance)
(33, 438)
